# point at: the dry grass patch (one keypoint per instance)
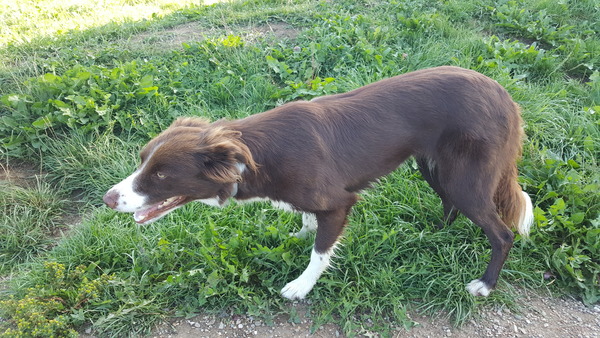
(173, 38)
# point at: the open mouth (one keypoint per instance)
(158, 210)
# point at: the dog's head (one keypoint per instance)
(191, 160)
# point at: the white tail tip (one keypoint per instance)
(526, 217)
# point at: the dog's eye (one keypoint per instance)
(160, 175)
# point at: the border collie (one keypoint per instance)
(313, 157)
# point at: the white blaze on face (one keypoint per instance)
(128, 199)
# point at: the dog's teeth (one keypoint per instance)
(138, 217)
(166, 202)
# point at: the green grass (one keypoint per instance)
(29, 217)
(82, 102)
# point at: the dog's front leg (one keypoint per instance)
(330, 225)
(309, 224)
(301, 286)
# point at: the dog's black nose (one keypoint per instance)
(111, 199)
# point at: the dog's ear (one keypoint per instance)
(222, 156)
(198, 122)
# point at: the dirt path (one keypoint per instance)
(540, 316)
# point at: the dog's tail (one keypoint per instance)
(514, 205)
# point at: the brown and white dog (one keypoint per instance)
(462, 127)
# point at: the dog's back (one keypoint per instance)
(441, 115)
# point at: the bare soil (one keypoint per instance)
(539, 316)
(20, 174)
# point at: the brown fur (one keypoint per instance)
(463, 129)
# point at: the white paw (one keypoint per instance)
(478, 288)
(300, 234)
(297, 289)
(301, 286)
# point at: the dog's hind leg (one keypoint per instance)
(330, 226)
(501, 239)
(472, 194)
(429, 172)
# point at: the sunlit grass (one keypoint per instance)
(22, 21)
